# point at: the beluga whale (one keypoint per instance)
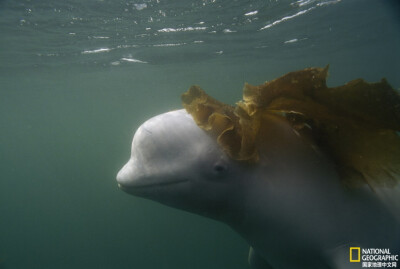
(307, 174)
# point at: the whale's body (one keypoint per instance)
(290, 206)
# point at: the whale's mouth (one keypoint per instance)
(143, 187)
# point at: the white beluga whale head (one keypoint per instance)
(303, 172)
(176, 163)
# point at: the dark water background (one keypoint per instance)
(78, 77)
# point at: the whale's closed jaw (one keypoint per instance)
(150, 185)
(138, 179)
(133, 178)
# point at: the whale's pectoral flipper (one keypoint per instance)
(256, 261)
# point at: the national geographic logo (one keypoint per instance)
(374, 257)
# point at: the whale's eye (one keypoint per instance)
(219, 168)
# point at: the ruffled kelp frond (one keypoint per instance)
(357, 125)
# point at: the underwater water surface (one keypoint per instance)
(78, 77)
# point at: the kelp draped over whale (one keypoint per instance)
(357, 125)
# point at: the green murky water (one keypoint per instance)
(78, 77)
